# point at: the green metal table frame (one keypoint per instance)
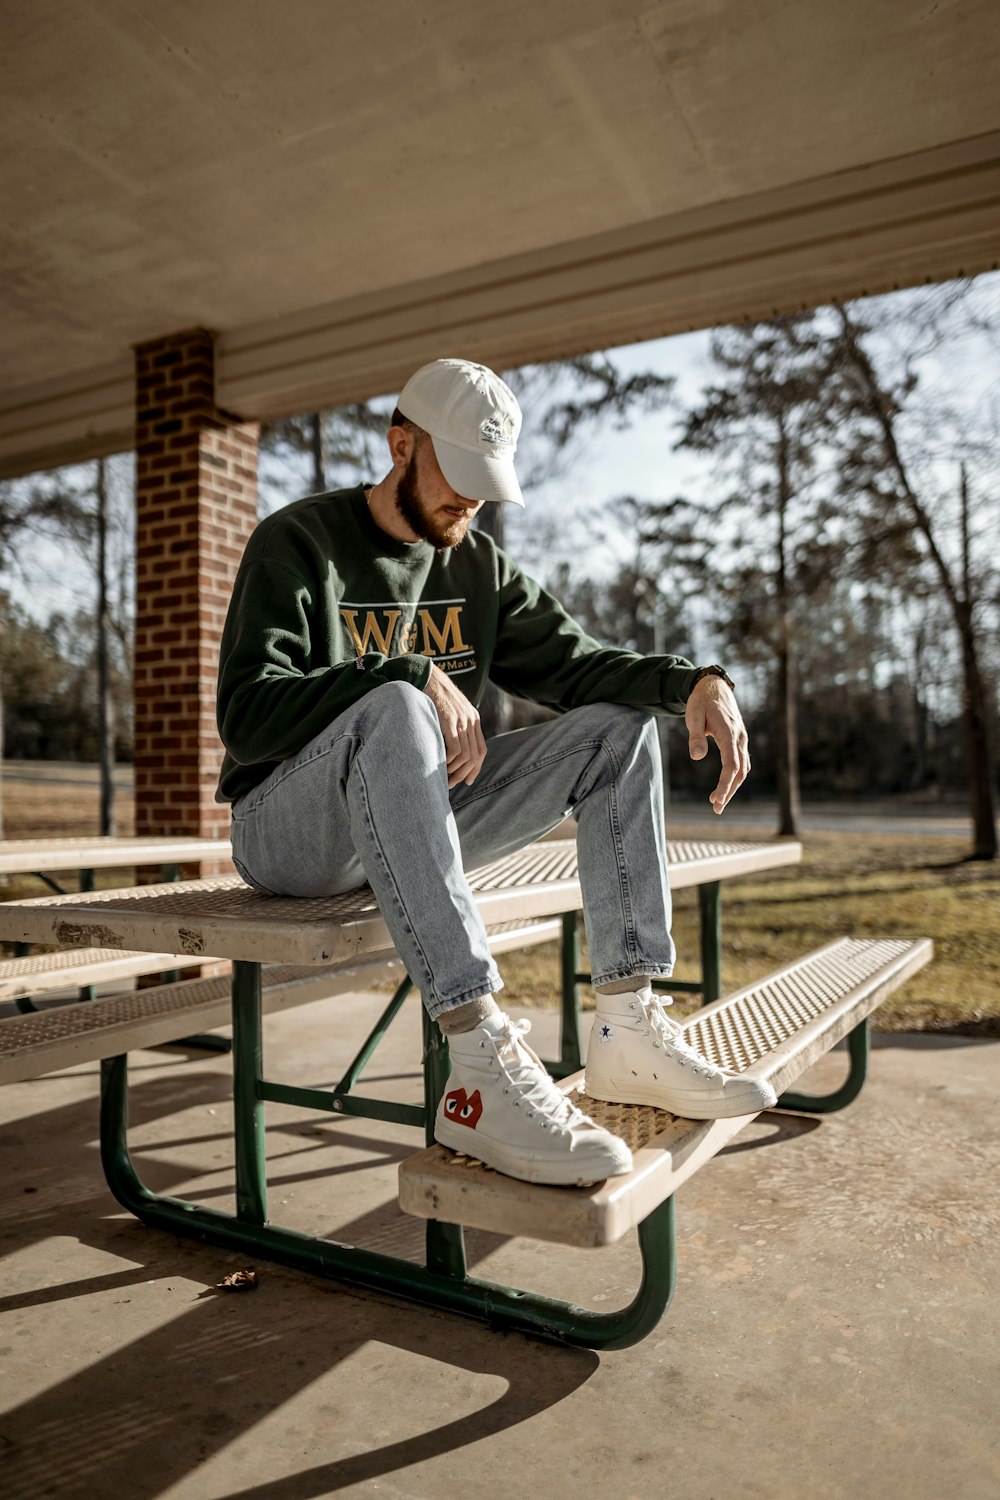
(442, 1281)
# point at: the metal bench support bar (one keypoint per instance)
(859, 1052)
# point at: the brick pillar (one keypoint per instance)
(196, 503)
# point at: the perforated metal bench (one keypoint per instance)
(37, 974)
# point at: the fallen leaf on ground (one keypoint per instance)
(238, 1281)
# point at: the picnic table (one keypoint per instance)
(220, 917)
(772, 1030)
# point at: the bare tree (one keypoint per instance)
(767, 418)
(105, 703)
(879, 465)
(29, 511)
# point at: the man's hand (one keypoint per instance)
(712, 713)
(464, 743)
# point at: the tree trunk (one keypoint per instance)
(921, 717)
(979, 759)
(977, 736)
(788, 737)
(789, 808)
(1, 738)
(317, 449)
(105, 706)
(958, 593)
(492, 705)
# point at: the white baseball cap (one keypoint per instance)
(474, 421)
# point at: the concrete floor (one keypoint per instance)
(834, 1332)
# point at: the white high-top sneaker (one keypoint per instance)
(637, 1055)
(502, 1107)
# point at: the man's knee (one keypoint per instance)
(402, 710)
(633, 733)
(619, 723)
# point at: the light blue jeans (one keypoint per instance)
(368, 800)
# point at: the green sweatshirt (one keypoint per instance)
(327, 606)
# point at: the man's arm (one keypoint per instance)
(543, 654)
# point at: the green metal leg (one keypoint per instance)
(374, 1037)
(204, 1041)
(88, 992)
(570, 1060)
(248, 1107)
(710, 908)
(859, 1052)
(441, 1284)
(25, 1005)
(709, 986)
(445, 1243)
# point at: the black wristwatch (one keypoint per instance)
(713, 671)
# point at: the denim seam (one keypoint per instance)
(437, 1007)
(535, 765)
(243, 871)
(428, 975)
(438, 1003)
(616, 838)
(642, 969)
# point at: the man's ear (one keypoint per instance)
(400, 446)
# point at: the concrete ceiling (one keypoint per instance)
(339, 191)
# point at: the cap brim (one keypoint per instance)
(478, 476)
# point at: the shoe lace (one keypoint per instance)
(670, 1036)
(526, 1074)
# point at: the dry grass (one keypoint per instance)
(52, 807)
(49, 807)
(848, 884)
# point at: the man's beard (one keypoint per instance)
(440, 531)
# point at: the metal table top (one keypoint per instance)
(221, 917)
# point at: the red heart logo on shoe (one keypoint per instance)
(463, 1108)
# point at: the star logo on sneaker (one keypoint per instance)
(463, 1108)
(605, 1034)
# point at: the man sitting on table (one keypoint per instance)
(363, 627)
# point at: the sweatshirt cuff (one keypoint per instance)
(675, 687)
(412, 668)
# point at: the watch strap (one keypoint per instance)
(713, 671)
